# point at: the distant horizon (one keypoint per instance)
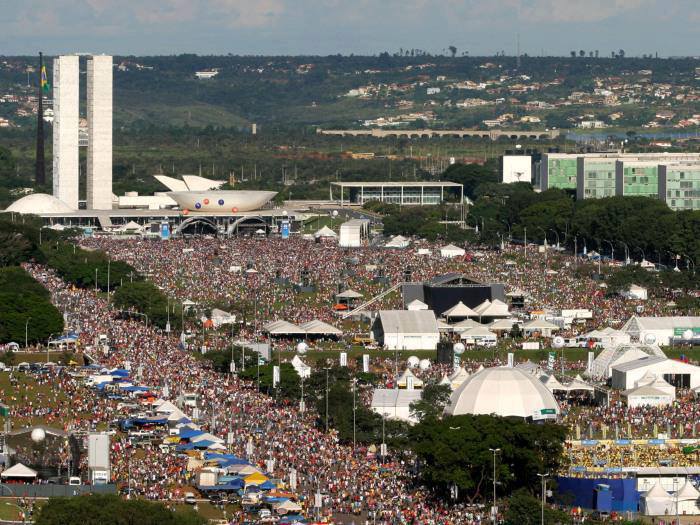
(551, 28)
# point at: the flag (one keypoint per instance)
(44, 80)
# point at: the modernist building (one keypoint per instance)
(99, 114)
(404, 193)
(679, 185)
(65, 129)
(66, 170)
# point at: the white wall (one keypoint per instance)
(411, 341)
(99, 113)
(517, 168)
(627, 380)
(65, 129)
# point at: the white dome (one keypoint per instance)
(502, 391)
(39, 203)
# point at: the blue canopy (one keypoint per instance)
(188, 446)
(234, 485)
(268, 485)
(134, 388)
(150, 421)
(119, 372)
(229, 459)
(204, 443)
(189, 433)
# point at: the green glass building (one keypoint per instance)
(637, 179)
(679, 186)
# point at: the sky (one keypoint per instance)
(324, 27)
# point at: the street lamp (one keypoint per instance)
(494, 509)
(612, 250)
(327, 399)
(26, 333)
(557, 234)
(543, 477)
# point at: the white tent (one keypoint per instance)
(417, 304)
(656, 502)
(646, 395)
(653, 380)
(636, 292)
(458, 377)
(353, 232)
(459, 310)
(398, 242)
(552, 383)
(502, 325)
(479, 335)
(408, 330)
(494, 309)
(444, 381)
(409, 376)
(325, 232)
(287, 506)
(348, 294)
(317, 327)
(466, 324)
(539, 326)
(19, 471)
(131, 226)
(619, 354)
(220, 317)
(282, 327)
(451, 251)
(687, 498)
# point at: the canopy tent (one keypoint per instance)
(466, 324)
(552, 383)
(286, 507)
(282, 327)
(656, 502)
(479, 335)
(445, 381)
(317, 327)
(398, 241)
(131, 226)
(502, 325)
(539, 326)
(492, 309)
(646, 395)
(19, 471)
(404, 379)
(687, 498)
(241, 469)
(451, 251)
(460, 310)
(255, 478)
(458, 377)
(325, 232)
(417, 304)
(348, 294)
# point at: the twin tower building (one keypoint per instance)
(66, 106)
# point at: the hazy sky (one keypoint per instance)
(669, 27)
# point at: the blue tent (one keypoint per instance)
(268, 485)
(119, 372)
(189, 433)
(204, 443)
(229, 459)
(188, 446)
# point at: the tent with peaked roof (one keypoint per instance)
(403, 380)
(325, 232)
(687, 498)
(255, 478)
(19, 471)
(464, 325)
(282, 327)
(444, 381)
(552, 383)
(317, 327)
(539, 326)
(451, 251)
(460, 310)
(398, 241)
(417, 304)
(479, 336)
(656, 502)
(348, 294)
(458, 377)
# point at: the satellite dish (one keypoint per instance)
(413, 361)
(650, 339)
(285, 213)
(558, 342)
(424, 364)
(458, 348)
(302, 348)
(688, 334)
(335, 213)
(38, 435)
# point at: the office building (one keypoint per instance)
(99, 116)
(637, 178)
(65, 130)
(595, 177)
(679, 185)
(558, 170)
(403, 193)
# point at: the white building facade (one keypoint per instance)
(66, 106)
(99, 113)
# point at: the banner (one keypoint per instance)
(284, 228)
(164, 231)
(275, 376)
(232, 367)
(343, 359)
(293, 479)
(409, 383)
(365, 363)
(591, 357)
(456, 361)
(551, 359)
(511, 359)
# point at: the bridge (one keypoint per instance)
(493, 134)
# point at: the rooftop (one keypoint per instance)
(417, 184)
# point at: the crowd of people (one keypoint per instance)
(216, 272)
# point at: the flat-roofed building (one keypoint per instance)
(637, 178)
(595, 177)
(679, 185)
(416, 193)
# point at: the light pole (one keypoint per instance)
(354, 408)
(494, 511)
(543, 477)
(327, 400)
(612, 249)
(557, 234)
(26, 333)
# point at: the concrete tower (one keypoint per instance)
(65, 129)
(99, 116)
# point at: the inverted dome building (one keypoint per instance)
(503, 391)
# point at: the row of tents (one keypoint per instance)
(317, 328)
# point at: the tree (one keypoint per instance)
(432, 403)
(453, 51)
(581, 53)
(109, 509)
(573, 54)
(525, 509)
